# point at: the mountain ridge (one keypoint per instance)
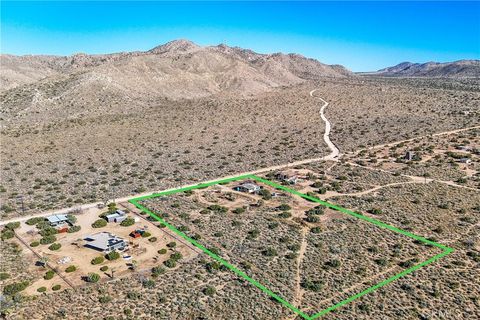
(460, 68)
(20, 70)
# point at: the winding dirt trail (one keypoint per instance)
(333, 156)
(326, 135)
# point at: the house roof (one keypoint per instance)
(250, 186)
(56, 218)
(103, 240)
(116, 214)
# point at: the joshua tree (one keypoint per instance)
(44, 261)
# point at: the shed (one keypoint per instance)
(118, 216)
(57, 220)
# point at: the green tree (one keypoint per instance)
(100, 223)
(112, 255)
(92, 277)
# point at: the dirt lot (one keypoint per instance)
(73, 252)
(284, 249)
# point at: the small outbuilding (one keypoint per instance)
(58, 220)
(105, 242)
(118, 216)
(248, 187)
(410, 155)
(286, 178)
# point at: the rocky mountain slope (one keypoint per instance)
(178, 69)
(461, 68)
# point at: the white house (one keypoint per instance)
(118, 216)
(248, 187)
(57, 220)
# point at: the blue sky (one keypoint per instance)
(362, 36)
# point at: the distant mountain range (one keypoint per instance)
(178, 69)
(182, 69)
(462, 68)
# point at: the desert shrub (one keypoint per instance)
(314, 286)
(156, 271)
(270, 252)
(133, 295)
(152, 239)
(252, 234)
(148, 283)
(333, 263)
(315, 211)
(170, 263)
(49, 275)
(284, 207)
(55, 246)
(104, 299)
(375, 211)
(14, 288)
(97, 260)
(265, 194)
(146, 234)
(74, 229)
(284, 215)
(56, 287)
(312, 219)
(112, 207)
(4, 276)
(218, 208)
(322, 190)
(48, 239)
(196, 236)
(162, 251)
(42, 289)
(213, 266)
(294, 247)
(71, 268)
(104, 268)
(100, 223)
(71, 218)
(92, 277)
(209, 291)
(238, 210)
(7, 234)
(176, 256)
(291, 255)
(47, 231)
(316, 230)
(34, 244)
(33, 221)
(112, 255)
(12, 225)
(127, 222)
(172, 244)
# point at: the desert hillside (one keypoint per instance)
(459, 69)
(178, 69)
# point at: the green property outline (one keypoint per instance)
(446, 250)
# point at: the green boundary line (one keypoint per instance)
(446, 250)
